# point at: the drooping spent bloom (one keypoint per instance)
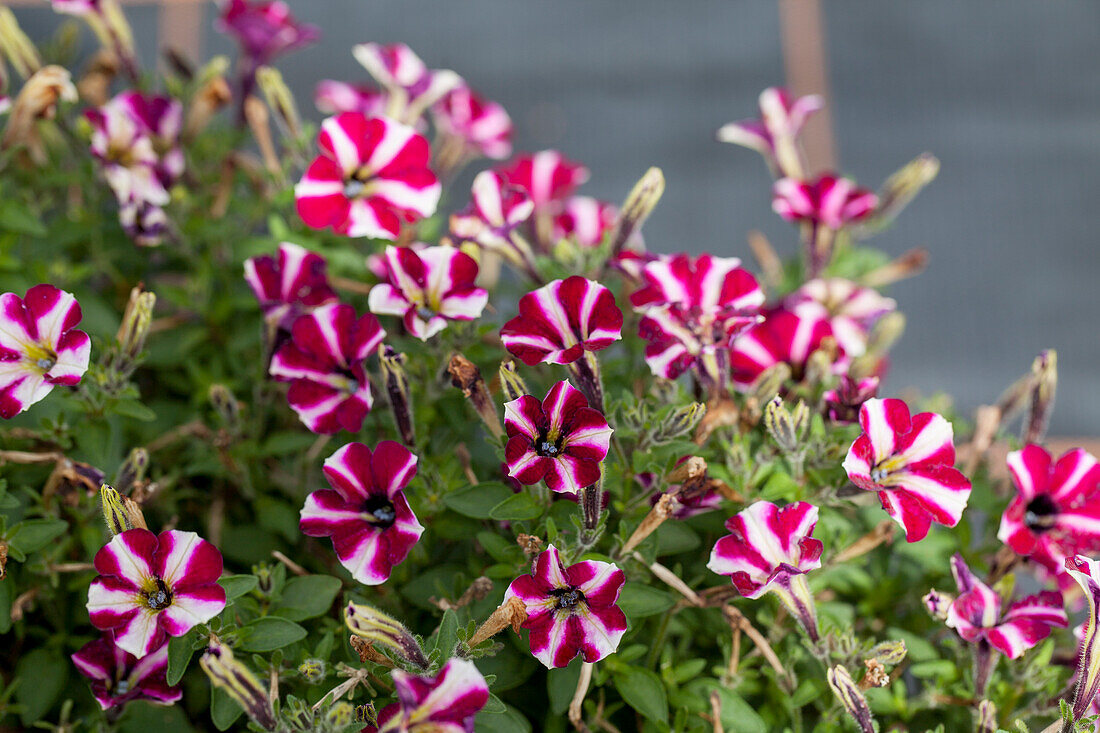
(770, 549)
(289, 283)
(691, 308)
(782, 337)
(547, 177)
(480, 126)
(572, 610)
(496, 210)
(116, 676)
(978, 613)
(333, 97)
(852, 308)
(264, 30)
(775, 133)
(829, 201)
(323, 361)
(444, 703)
(371, 176)
(40, 346)
(427, 288)
(560, 439)
(586, 220)
(558, 322)
(1087, 573)
(366, 513)
(1056, 511)
(152, 586)
(410, 85)
(842, 403)
(910, 462)
(694, 496)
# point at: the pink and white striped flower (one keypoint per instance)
(40, 346)
(691, 308)
(366, 513)
(289, 283)
(410, 85)
(332, 97)
(852, 309)
(127, 153)
(427, 288)
(323, 361)
(558, 322)
(560, 439)
(782, 337)
(842, 403)
(770, 549)
(161, 119)
(76, 7)
(444, 703)
(585, 220)
(145, 223)
(482, 126)
(1087, 573)
(372, 175)
(978, 614)
(775, 133)
(117, 677)
(910, 462)
(150, 586)
(496, 210)
(1056, 511)
(547, 177)
(264, 29)
(829, 201)
(572, 610)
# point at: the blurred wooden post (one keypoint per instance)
(803, 33)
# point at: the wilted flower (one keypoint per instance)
(829, 201)
(782, 337)
(365, 513)
(558, 322)
(323, 361)
(481, 126)
(852, 309)
(561, 439)
(152, 585)
(116, 676)
(428, 287)
(40, 346)
(37, 100)
(910, 463)
(410, 85)
(771, 549)
(265, 30)
(1056, 512)
(289, 283)
(547, 177)
(371, 176)
(572, 610)
(843, 402)
(775, 133)
(444, 703)
(333, 97)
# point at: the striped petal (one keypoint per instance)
(767, 541)
(561, 320)
(184, 560)
(546, 176)
(445, 702)
(192, 607)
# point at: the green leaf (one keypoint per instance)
(643, 691)
(180, 651)
(676, 537)
(5, 604)
(32, 535)
(224, 710)
(307, 596)
(134, 409)
(737, 715)
(140, 716)
(561, 683)
(15, 218)
(270, 633)
(510, 721)
(494, 706)
(446, 635)
(516, 508)
(237, 585)
(477, 501)
(638, 600)
(42, 677)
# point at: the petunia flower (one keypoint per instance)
(770, 549)
(585, 220)
(40, 346)
(479, 126)
(1056, 511)
(264, 30)
(116, 676)
(150, 586)
(366, 513)
(77, 7)
(444, 703)
(558, 322)
(1087, 573)
(561, 439)
(323, 361)
(428, 287)
(782, 337)
(852, 309)
(144, 222)
(978, 614)
(160, 118)
(572, 610)
(371, 176)
(910, 463)
(496, 211)
(691, 308)
(410, 85)
(122, 145)
(333, 97)
(842, 403)
(775, 133)
(288, 284)
(547, 177)
(828, 201)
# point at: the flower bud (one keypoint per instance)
(375, 626)
(819, 365)
(366, 714)
(238, 682)
(340, 715)
(770, 381)
(511, 383)
(135, 323)
(279, 99)
(987, 717)
(937, 603)
(258, 119)
(639, 204)
(312, 671)
(396, 380)
(226, 405)
(889, 653)
(847, 692)
(466, 376)
(786, 428)
(114, 511)
(16, 46)
(885, 333)
(901, 188)
(680, 421)
(1044, 371)
(118, 27)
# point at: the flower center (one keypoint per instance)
(878, 475)
(567, 598)
(353, 189)
(1041, 514)
(379, 511)
(548, 445)
(122, 687)
(158, 597)
(425, 313)
(41, 357)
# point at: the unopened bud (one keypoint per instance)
(136, 320)
(312, 671)
(853, 701)
(639, 204)
(901, 188)
(1045, 384)
(383, 630)
(679, 422)
(340, 715)
(396, 380)
(366, 714)
(114, 510)
(466, 376)
(280, 99)
(511, 383)
(937, 603)
(819, 365)
(771, 381)
(226, 405)
(133, 468)
(17, 47)
(238, 682)
(987, 717)
(258, 119)
(265, 581)
(889, 653)
(885, 333)
(118, 27)
(785, 427)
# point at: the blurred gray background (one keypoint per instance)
(1005, 92)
